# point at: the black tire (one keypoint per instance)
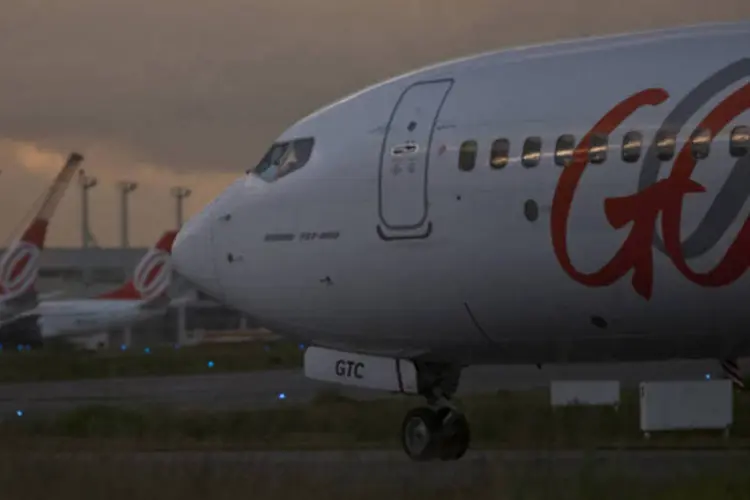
(422, 421)
(455, 436)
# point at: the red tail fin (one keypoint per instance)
(152, 275)
(20, 262)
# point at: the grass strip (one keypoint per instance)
(113, 479)
(61, 364)
(505, 420)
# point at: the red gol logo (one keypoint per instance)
(661, 197)
(153, 274)
(18, 269)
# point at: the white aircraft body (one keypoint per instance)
(142, 297)
(19, 266)
(582, 201)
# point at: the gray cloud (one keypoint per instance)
(28, 170)
(196, 85)
(192, 92)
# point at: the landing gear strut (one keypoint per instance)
(438, 431)
(733, 373)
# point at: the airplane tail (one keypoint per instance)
(152, 275)
(19, 265)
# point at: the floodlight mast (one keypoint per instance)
(125, 187)
(86, 182)
(179, 193)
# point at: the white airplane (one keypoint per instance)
(19, 265)
(583, 201)
(142, 297)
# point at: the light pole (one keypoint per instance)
(180, 193)
(86, 182)
(125, 187)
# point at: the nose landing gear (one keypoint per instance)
(439, 431)
(428, 434)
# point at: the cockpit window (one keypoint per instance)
(283, 158)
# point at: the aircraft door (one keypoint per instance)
(405, 159)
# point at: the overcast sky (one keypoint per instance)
(191, 92)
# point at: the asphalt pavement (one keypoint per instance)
(265, 389)
(393, 466)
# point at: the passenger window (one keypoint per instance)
(631, 146)
(564, 150)
(598, 149)
(284, 158)
(467, 155)
(665, 144)
(499, 153)
(739, 144)
(700, 143)
(532, 152)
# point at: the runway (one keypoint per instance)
(393, 466)
(254, 390)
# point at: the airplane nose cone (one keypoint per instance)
(194, 250)
(192, 254)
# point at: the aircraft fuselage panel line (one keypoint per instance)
(476, 323)
(403, 180)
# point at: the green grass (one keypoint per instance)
(61, 364)
(113, 479)
(505, 420)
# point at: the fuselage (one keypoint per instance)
(77, 317)
(503, 208)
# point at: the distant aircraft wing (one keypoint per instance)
(181, 300)
(18, 306)
(50, 295)
(161, 302)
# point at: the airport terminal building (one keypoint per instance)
(86, 272)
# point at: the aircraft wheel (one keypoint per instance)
(421, 434)
(455, 435)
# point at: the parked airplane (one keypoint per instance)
(142, 297)
(568, 202)
(19, 265)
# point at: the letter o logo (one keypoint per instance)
(153, 274)
(19, 268)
